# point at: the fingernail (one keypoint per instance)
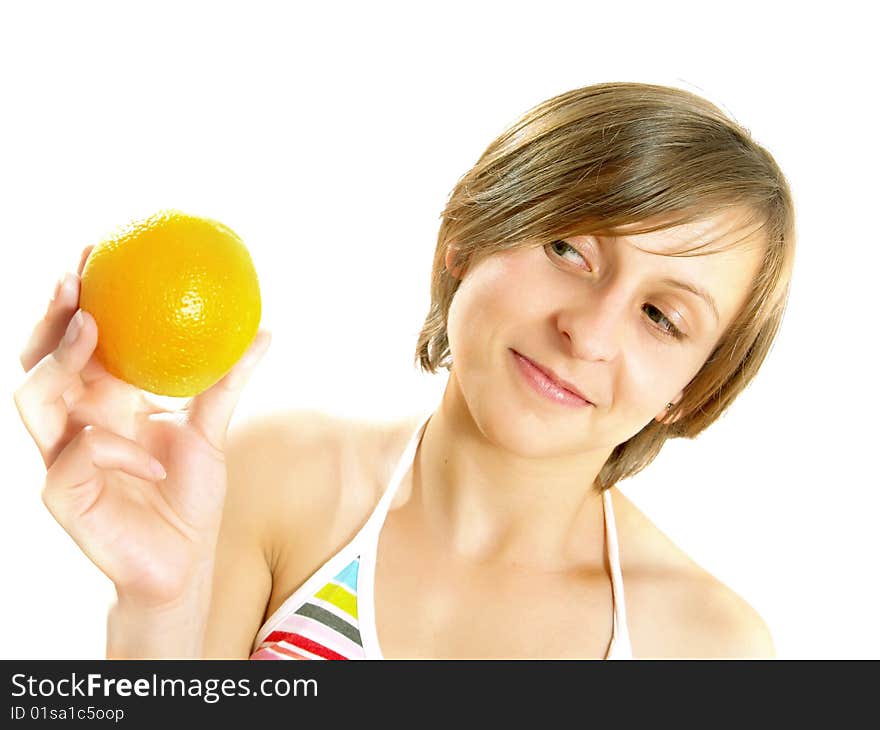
(73, 329)
(257, 354)
(68, 287)
(157, 469)
(263, 347)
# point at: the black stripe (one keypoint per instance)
(332, 620)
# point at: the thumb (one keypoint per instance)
(211, 410)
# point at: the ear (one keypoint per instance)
(452, 252)
(664, 417)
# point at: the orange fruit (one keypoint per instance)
(176, 300)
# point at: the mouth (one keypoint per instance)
(547, 383)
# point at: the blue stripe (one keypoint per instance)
(349, 575)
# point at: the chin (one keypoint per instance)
(525, 432)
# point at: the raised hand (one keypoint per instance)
(104, 445)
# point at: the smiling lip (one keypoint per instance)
(548, 385)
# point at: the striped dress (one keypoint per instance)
(331, 615)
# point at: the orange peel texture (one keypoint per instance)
(176, 299)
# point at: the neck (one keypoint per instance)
(488, 504)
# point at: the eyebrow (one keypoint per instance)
(694, 289)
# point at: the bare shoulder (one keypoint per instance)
(312, 468)
(675, 607)
(314, 477)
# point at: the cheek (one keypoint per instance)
(652, 381)
(484, 304)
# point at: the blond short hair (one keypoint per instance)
(625, 154)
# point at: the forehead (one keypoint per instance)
(728, 231)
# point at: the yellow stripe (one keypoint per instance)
(340, 597)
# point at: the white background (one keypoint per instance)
(329, 139)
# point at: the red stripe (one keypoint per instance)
(281, 649)
(271, 651)
(305, 643)
(265, 652)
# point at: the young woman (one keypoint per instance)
(610, 274)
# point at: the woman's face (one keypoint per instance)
(604, 314)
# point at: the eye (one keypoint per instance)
(664, 324)
(561, 248)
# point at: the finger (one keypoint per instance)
(92, 450)
(49, 330)
(39, 399)
(83, 258)
(210, 411)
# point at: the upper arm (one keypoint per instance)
(242, 570)
(273, 492)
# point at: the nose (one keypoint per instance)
(593, 328)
